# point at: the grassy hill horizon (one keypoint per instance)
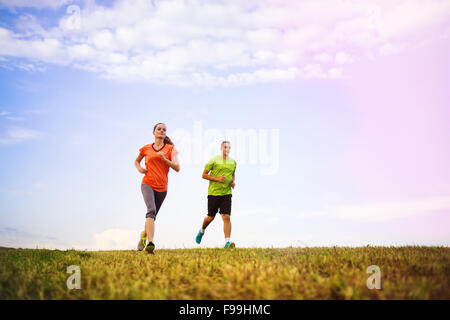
(407, 272)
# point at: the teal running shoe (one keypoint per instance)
(229, 245)
(142, 240)
(199, 237)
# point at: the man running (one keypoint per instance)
(220, 172)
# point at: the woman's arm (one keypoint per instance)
(206, 176)
(137, 164)
(174, 164)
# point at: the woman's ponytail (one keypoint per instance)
(168, 141)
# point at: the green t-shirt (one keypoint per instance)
(220, 166)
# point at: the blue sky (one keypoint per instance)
(70, 132)
(76, 177)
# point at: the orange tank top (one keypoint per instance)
(157, 169)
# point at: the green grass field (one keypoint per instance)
(289, 273)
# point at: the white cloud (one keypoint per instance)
(12, 4)
(335, 72)
(343, 58)
(252, 211)
(39, 185)
(384, 211)
(189, 43)
(391, 48)
(17, 238)
(14, 135)
(116, 239)
(323, 57)
(110, 239)
(15, 118)
(271, 220)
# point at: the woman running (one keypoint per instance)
(160, 156)
(221, 181)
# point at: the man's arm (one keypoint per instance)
(206, 176)
(232, 180)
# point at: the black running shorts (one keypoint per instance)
(222, 203)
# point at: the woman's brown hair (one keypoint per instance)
(166, 139)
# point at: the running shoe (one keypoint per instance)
(199, 237)
(150, 247)
(229, 245)
(142, 240)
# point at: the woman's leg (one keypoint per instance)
(150, 228)
(149, 198)
(159, 199)
(150, 221)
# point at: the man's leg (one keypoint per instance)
(206, 222)
(227, 231)
(225, 212)
(212, 210)
(226, 225)
(201, 232)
